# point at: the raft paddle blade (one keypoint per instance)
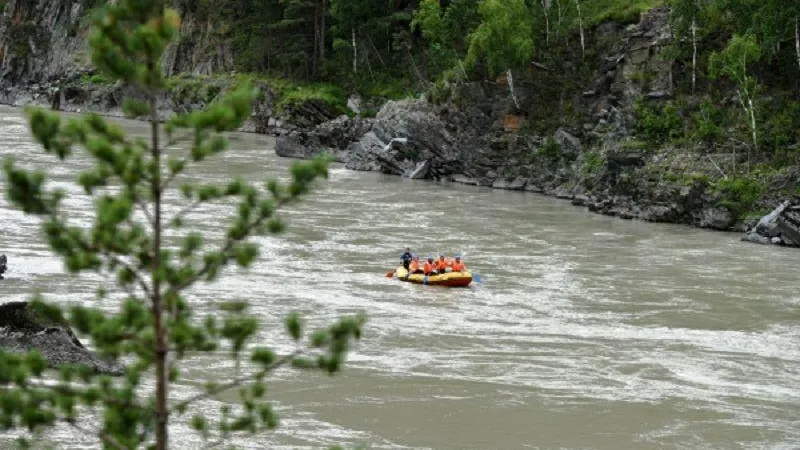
(476, 277)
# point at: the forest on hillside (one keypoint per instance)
(726, 51)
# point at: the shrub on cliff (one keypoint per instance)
(155, 328)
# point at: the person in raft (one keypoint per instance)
(442, 264)
(406, 257)
(415, 267)
(457, 265)
(430, 266)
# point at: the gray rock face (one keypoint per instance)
(36, 42)
(780, 227)
(46, 39)
(45, 62)
(715, 218)
(331, 137)
(407, 138)
(570, 145)
(404, 135)
(22, 331)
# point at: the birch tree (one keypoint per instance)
(733, 63)
(504, 38)
(580, 27)
(685, 17)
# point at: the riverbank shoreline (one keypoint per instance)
(687, 201)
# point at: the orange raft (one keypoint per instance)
(449, 279)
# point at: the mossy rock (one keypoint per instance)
(29, 326)
(25, 317)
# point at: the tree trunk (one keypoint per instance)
(797, 39)
(753, 126)
(558, 24)
(322, 32)
(546, 22)
(157, 302)
(580, 27)
(746, 100)
(510, 80)
(355, 52)
(315, 54)
(694, 53)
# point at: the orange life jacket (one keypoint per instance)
(442, 264)
(458, 266)
(413, 266)
(428, 268)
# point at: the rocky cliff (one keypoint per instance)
(44, 61)
(45, 40)
(478, 135)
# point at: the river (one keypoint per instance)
(587, 332)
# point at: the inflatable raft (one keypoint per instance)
(450, 279)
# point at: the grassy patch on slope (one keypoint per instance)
(333, 96)
(623, 11)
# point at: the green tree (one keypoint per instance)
(734, 63)
(778, 22)
(685, 16)
(446, 29)
(155, 327)
(309, 16)
(504, 38)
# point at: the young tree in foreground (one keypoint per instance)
(155, 328)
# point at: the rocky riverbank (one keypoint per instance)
(87, 91)
(474, 136)
(780, 227)
(22, 330)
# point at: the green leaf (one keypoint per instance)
(176, 165)
(294, 326)
(245, 253)
(268, 416)
(199, 423)
(36, 362)
(320, 338)
(276, 225)
(263, 356)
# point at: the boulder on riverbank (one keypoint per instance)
(407, 137)
(780, 227)
(23, 330)
(332, 137)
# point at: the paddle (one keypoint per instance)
(476, 277)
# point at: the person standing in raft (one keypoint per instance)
(458, 266)
(406, 257)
